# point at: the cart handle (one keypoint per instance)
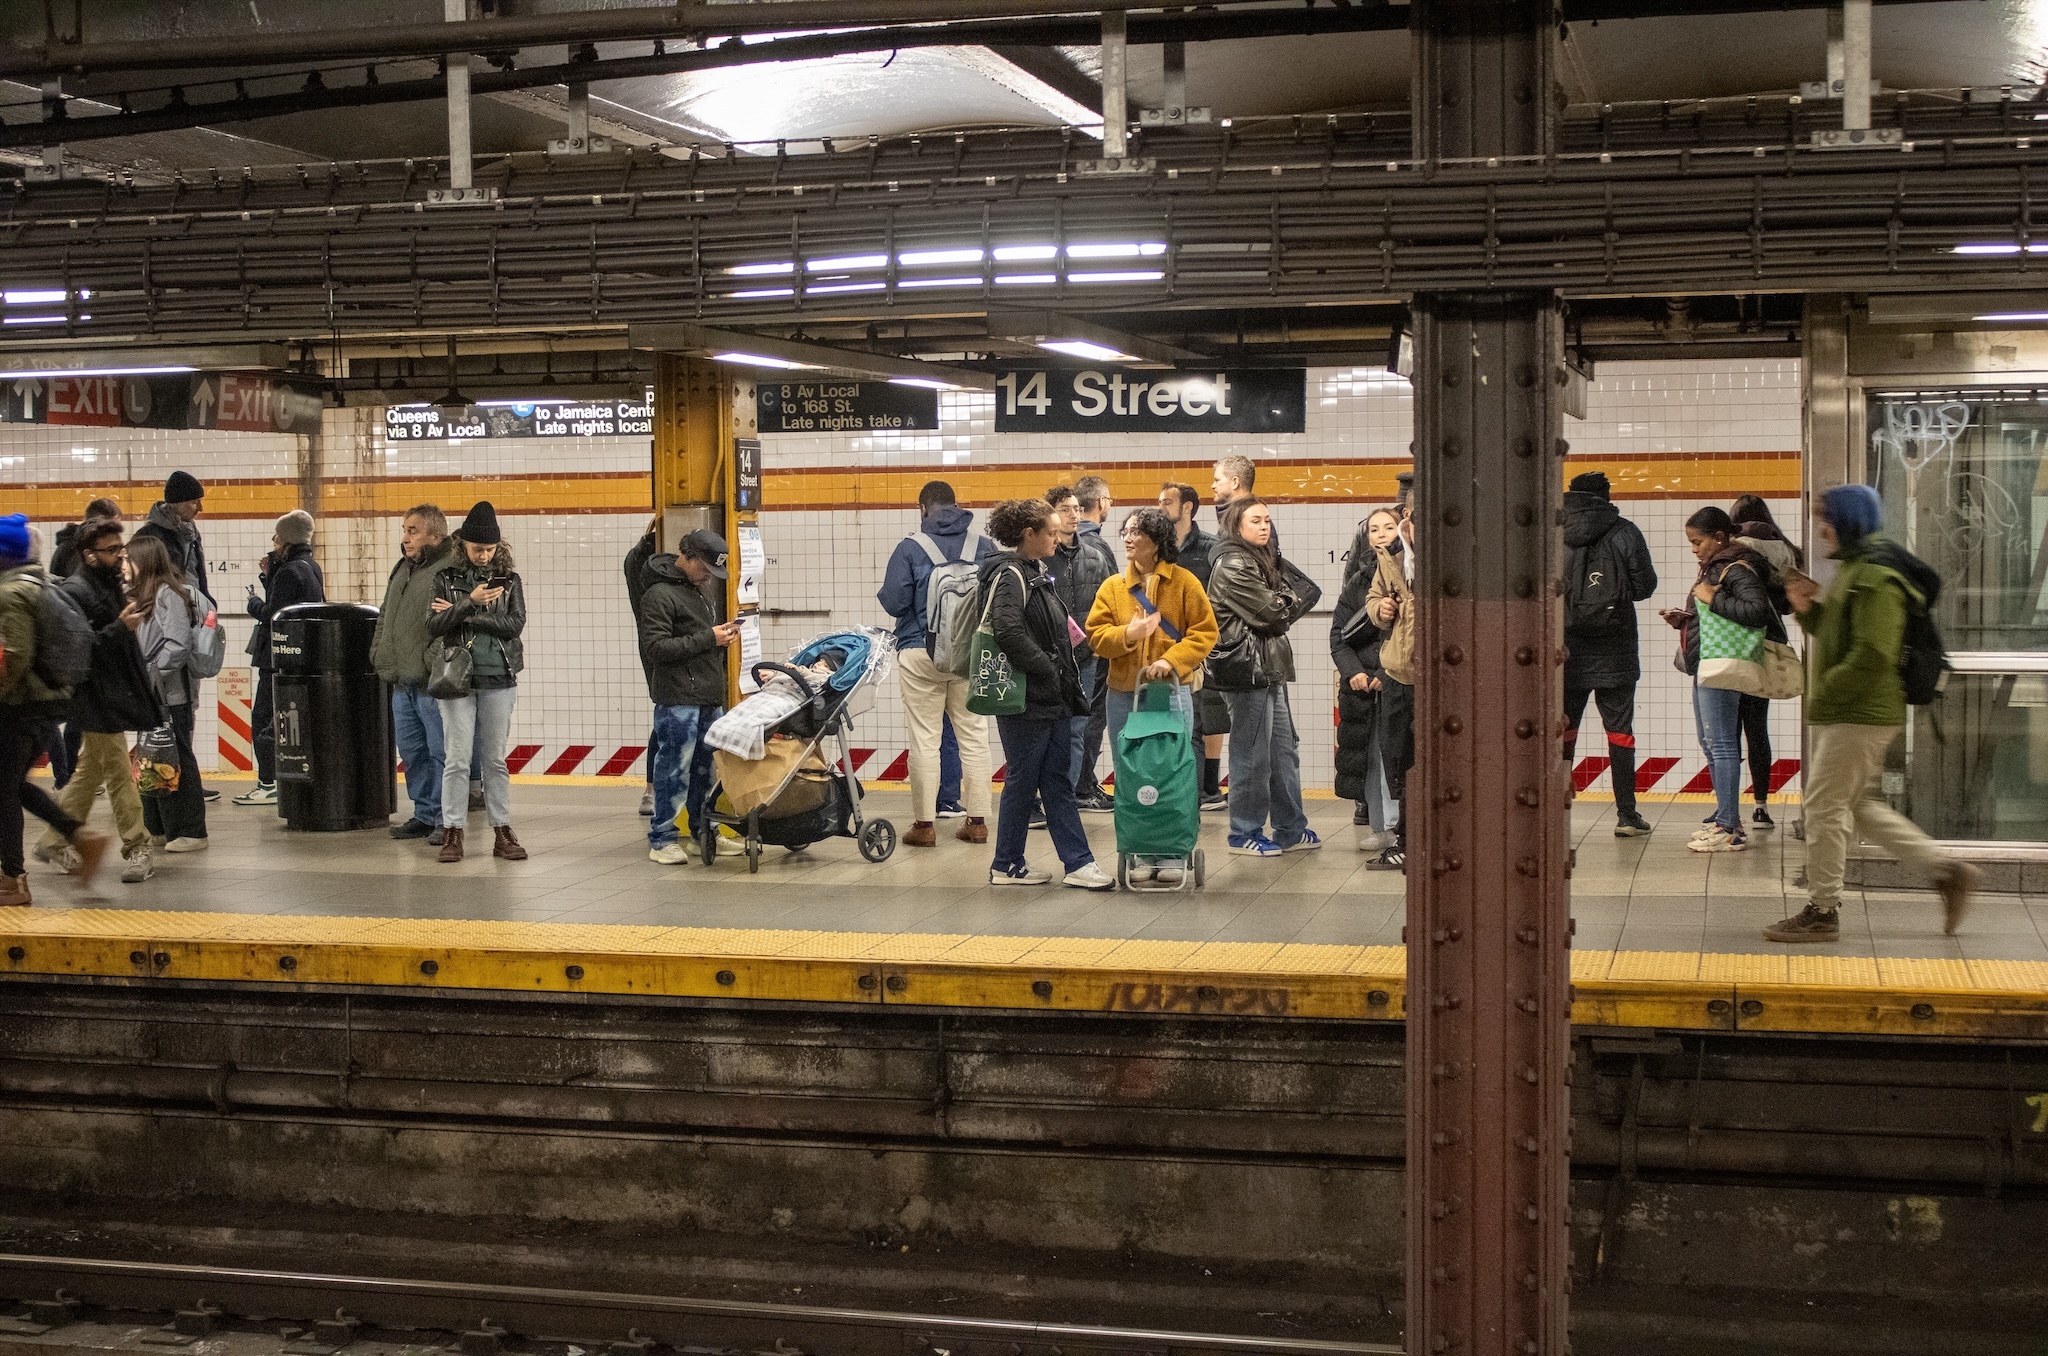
(811, 694)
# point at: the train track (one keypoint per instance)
(484, 1320)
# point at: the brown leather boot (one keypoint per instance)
(14, 890)
(451, 845)
(506, 845)
(922, 834)
(973, 831)
(91, 846)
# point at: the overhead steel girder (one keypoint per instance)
(1263, 221)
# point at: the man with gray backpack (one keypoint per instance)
(930, 588)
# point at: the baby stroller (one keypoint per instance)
(802, 788)
(1158, 784)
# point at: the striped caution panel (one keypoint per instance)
(236, 693)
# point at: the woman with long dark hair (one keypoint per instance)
(1732, 582)
(172, 608)
(1355, 648)
(1758, 530)
(1255, 607)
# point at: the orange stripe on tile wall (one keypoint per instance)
(1709, 477)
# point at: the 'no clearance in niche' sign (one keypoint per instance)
(1131, 400)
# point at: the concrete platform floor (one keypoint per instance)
(589, 865)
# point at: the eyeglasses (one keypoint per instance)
(117, 549)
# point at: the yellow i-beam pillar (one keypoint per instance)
(705, 427)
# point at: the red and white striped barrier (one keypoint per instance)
(236, 692)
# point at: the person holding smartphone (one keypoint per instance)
(682, 648)
(290, 576)
(480, 603)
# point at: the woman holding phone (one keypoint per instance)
(480, 605)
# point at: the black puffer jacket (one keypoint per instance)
(1078, 570)
(1742, 578)
(1355, 648)
(1597, 537)
(289, 579)
(117, 694)
(1031, 627)
(685, 664)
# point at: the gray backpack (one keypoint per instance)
(949, 611)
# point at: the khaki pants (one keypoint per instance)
(1837, 802)
(103, 762)
(930, 694)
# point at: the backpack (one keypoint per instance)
(63, 640)
(1923, 658)
(950, 613)
(1597, 597)
(209, 646)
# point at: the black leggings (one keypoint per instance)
(1755, 713)
(20, 742)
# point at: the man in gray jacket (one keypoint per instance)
(399, 652)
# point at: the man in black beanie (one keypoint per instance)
(171, 522)
(1607, 571)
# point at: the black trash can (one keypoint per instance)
(335, 759)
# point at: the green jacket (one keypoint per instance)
(1859, 631)
(399, 649)
(22, 689)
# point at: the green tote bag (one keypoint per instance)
(1731, 654)
(993, 687)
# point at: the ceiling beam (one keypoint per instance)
(707, 341)
(1051, 67)
(1020, 79)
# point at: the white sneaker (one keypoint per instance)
(186, 845)
(1090, 877)
(1168, 876)
(264, 793)
(647, 803)
(137, 866)
(1022, 875)
(729, 846)
(669, 854)
(63, 856)
(1378, 840)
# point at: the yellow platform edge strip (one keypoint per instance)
(1672, 990)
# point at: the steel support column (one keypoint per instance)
(702, 410)
(1489, 958)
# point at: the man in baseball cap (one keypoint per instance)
(707, 546)
(682, 649)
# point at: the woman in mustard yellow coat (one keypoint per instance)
(1153, 621)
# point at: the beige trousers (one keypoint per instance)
(103, 762)
(930, 694)
(1838, 800)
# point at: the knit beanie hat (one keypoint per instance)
(15, 548)
(182, 488)
(296, 528)
(1854, 511)
(1593, 483)
(481, 526)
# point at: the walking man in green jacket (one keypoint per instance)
(1855, 706)
(399, 653)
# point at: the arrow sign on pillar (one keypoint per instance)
(28, 388)
(205, 397)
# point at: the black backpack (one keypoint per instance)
(63, 639)
(1596, 590)
(1923, 659)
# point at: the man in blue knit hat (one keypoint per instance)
(1855, 706)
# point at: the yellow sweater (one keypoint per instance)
(1178, 596)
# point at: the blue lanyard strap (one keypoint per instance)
(1145, 605)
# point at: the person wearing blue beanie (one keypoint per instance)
(15, 547)
(1855, 708)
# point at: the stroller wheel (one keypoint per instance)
(707, 844)
(1123, 870)
(1201, 865)
(877, 840)
(753, 856)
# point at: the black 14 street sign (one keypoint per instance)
(845, 407)
(1133, 400)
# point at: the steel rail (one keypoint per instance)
(534, 1310)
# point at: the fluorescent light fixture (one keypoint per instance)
(914, 258)
(849, 261)
(1015, 279)
(2013, 315)
(1140, 275)
(758, 270)
(33, 320)
(938, 282)
(36, 298)
(820, 289)
(1147, 250)
(1999, 247)
(757, 360)
(920, 381)
(1011, 253)
(1081, 348)
(44, 373)
(765, 292)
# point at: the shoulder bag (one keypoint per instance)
(993, 687)
(448, 670)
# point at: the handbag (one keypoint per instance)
(448, 672)
(1731, 654)
(1237, 664)
(1784, 673)
(158, 768)
(993, 687)
(1305, 591)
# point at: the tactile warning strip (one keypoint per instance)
(1669, 989)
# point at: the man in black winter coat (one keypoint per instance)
(290, 576)
(637, 560)
(1608, 571)
(682, 645)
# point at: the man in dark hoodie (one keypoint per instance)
(682, 646)
(1607, 571)
(931, 694)
(290, 576)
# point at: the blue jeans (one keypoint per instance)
(682, 768)
(1079, 762)
(1718, 712)
(1035, 754)
(1265, 766)
(949, 764)
(416, 722)
(477, 726)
